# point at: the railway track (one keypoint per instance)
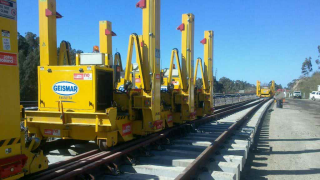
(177, 150)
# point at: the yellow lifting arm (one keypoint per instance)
(118, 61)
(143, 66)
(175, 53)
(64, 53)
(204, 78)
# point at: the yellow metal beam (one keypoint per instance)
(258, 91)
(48, 32)
(208, 64)
(9, 88)
(151, 51)
(187, 54)
(105, 34)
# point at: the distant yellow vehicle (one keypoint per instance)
(265, 91)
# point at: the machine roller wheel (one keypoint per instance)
(102, 143)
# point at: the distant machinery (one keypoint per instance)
(265, 91)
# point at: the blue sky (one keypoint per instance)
(254, 39)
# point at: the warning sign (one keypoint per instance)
(82, 76)
(6, 44)
(126, 129)
(5, 33)
(157, 53)
(169, 118)
(52, 132)
(8, 9)
(138, 80)
(8, 59)
(175, 83)
(158, 124)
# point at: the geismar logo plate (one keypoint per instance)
(65, 88)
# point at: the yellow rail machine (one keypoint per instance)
(140, 102)
(204, 95)
(75, 101)
(16, 158)
(181, 97)
(171, 82)
(265, 91)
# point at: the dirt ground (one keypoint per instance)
(288, 144)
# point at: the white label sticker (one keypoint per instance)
(52, 132)
(8, 9)
(175, 83)
(6, 43)
(157, 53)
(157, 56)
(87, 76)
(56, 132)
(8, 150)
(5, 33)
(82, 76)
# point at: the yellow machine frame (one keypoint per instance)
(79, 115)
(204, 96)
(144, 109)
(181, 97)
(16, 158)
(173, 85)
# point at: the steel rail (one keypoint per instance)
(70, 172)
(192, 169)
(62, 167)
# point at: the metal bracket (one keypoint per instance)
(132, 160)
(108, 32)
(50, 13)
(203, 41)
(181, 27)
(141, 4)
(113, 169)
